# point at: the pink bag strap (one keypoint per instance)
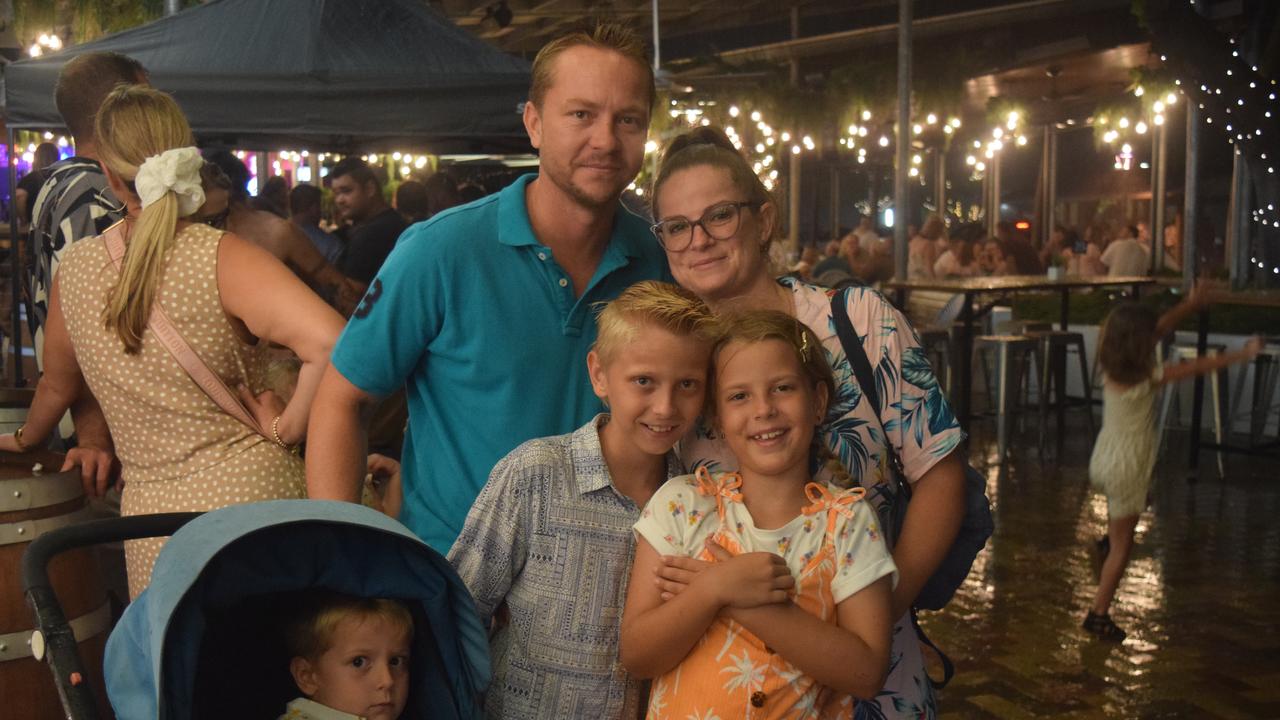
(205, 378)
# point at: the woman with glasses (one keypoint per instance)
(716, 220)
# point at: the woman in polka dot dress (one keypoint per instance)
(228, 299)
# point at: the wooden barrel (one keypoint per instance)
(35, 498)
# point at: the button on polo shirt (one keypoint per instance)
(475, 316)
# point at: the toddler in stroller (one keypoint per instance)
(350, 658)
(208, 637)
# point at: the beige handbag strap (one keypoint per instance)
(205, 378)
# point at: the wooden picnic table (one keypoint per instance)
(971, 288)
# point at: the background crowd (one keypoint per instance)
(965, 250)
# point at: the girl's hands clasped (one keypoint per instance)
(739, 581)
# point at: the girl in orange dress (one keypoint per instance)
(786, 612)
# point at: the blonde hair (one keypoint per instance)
(604, 36)
(756, 326)
(311, 633)
(667, 306)
(135, 123)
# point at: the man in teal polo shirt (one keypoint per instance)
(485, 311)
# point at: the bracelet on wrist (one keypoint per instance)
(17, 439)
(275, 435)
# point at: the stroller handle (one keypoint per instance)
(59, 640)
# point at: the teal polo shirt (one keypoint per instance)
(477, 320)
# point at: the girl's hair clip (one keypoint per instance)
(804, 345)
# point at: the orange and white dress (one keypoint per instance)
(834, 548)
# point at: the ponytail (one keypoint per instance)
(144, 139)
(129, 303)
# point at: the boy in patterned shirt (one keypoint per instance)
(546, 549)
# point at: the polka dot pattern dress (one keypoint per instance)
(178, 450)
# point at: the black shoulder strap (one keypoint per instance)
(861, 365)
(853, 349)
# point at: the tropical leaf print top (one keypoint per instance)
(914, 411)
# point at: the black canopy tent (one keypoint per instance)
(344, 75)
(340, 75)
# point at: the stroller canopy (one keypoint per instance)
(199, 641)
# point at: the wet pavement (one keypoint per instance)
(1200, 601)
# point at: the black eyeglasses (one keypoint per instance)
(719, 222)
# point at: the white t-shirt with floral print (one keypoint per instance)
(679, 518)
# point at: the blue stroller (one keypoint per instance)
(204, 640)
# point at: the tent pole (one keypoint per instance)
(1191, 204)
(940, 180)
(1051, 209)
(657, 46)
(795, 169)
(1157, 229)
(835, 206)
(15, 269)
(995, 192)
(901, 192)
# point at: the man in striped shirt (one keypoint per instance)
(75, 203)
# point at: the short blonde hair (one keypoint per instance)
(602, 35)
(310, 635)
(664, 305)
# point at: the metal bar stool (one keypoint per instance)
(1266, 372)
(1218, 382)
(1013, 353)
(1025, 327)
(936, 342)
(1052, 355)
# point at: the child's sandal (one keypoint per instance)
(1103, 627)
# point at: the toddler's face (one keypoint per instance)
(366, 670)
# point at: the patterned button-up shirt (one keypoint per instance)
(73, 204)
(550, 537)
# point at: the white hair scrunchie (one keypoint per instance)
(175, 170)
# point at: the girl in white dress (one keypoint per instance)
(1125, 453)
